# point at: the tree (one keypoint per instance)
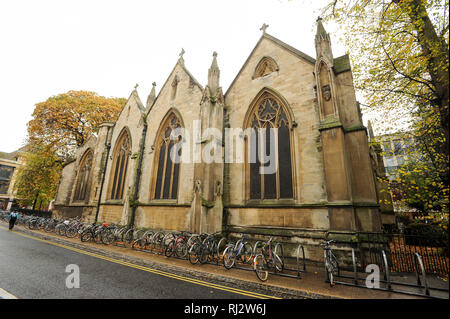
(422, 181)
(399, 52)
(38, 178)
(66, 121)
(59, 125)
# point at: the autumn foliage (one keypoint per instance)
(66, 121)
(59, 125)
(400, 62)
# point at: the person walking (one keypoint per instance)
(12, 219)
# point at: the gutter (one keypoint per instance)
(108, 147)
(138, 174)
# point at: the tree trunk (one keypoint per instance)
(436, 50)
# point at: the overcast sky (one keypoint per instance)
(51, 47)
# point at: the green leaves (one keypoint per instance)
(60, 125)
(399, 53)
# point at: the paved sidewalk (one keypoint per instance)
(311, 284)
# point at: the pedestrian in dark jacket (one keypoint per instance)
(12, 219)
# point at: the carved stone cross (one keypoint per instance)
(264, 27)
(182, 52)
(135, 87)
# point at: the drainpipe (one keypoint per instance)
(108, 147)
(138, 174)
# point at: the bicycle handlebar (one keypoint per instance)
(327, 242)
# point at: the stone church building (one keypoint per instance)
(324, 179)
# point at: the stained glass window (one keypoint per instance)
(120, 166)
(266, 183)
(168, 167)
(84, 173)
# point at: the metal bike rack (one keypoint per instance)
(298, 259)
(421, 278)
(418, 260)
(277, 247)
(387, 276)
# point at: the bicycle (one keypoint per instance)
(178, 245)
(157, 243)
(203, 247)
(89, 233)
(241, 250)
(143, 241)
(267, 260)
(73, 229)
(50, 225)
(331, 263)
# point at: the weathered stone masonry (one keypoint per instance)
(325, 180)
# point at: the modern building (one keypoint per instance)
(396, 151)
(9, 163)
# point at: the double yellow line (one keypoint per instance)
(154, 271)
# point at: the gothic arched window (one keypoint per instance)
(167, 169)
(270, 173)
(83, 180)
(120, 165)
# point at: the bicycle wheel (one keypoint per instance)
(181, 249)
(86, 236)
(228, 260)
(49, 228)
(332, 267)
(107, 237)
(193, 253)
(71, 232)
(170, 248)
(119, 234)
(128, 237)
(259, 265)
(247, 253)
(61, 230)
(98, 236)
(278, 263)
(204, 253)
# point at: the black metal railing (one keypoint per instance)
(400, 249)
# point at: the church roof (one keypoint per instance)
(341, 64)
(289, 48)
(180, 62)
(280, 43)
(135, 95)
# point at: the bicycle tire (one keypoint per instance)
(260, 268)
(170, 248)
(129, 236)
(247, 253)
(204, 253)
(49, 228)
(107, 237)
(98, 236)
(193, 253)
(86, 236)
(71, 232)
(332, 269)
(181, 249)
(278, 263)
(227, 257)
(61, 230)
